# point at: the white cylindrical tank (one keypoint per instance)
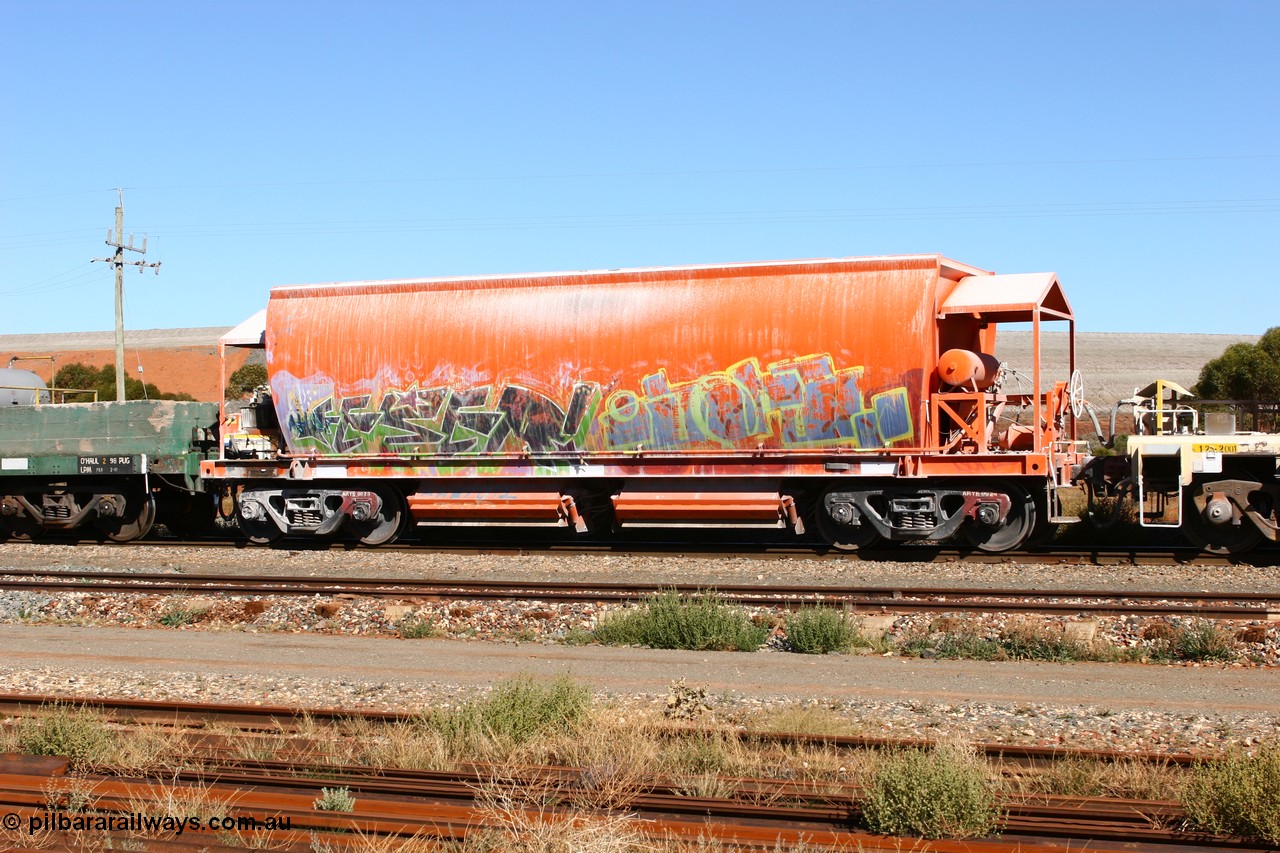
(21, 388)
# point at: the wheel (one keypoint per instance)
(1042, 530)
(1220, 538)
(386, 525)
(188, 515)
(845, 537)
(20, 528)
(129, 529)
(1016, 527)
(1216, 538)
(261, 529)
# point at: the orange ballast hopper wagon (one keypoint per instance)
(713, 384)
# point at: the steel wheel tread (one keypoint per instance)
(1016, 528)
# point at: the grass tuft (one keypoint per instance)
(1021, 640)
(933, 794)
(669, 620)
(961, 641)
(417, 627)
(177, 616)
(1200, 640)
(515, 712)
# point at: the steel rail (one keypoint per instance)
(454, 813)
(1221, 605)
(830, 806)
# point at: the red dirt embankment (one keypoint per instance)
(193, 370)
(175, 361)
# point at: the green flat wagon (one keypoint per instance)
(104, 468)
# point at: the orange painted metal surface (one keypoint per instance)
(537, 507)
(636, 505)
(750, 358)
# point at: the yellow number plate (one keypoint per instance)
(1215, 448)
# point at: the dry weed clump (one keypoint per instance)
(943, 792)
(514, 713)
(1237, 795)
(617, 758)
(144, 748)
(80, 734)
(670, 620)
(1091, 777)
(405, 746)
(525, 819)
(357, 840)
(175, 803)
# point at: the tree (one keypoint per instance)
(76, 377)
(244, 380)
(1244, 371)
(103, 379)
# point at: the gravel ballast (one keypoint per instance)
(343, 651)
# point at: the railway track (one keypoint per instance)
(1099, 555)
(277, 719)
(710, 545)
(1218, 605)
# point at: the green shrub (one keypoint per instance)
(702, 622)
(932, 794)
(516, 711)
(417, 628)
(242, 382)
(1238, 795)
(78, 734)
(1203, 639)
(962, 643)
(335, 800)
(819, 630)
(951, 638)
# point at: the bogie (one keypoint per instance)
(374, 515)
(992, 516)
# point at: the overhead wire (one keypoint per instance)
(83, 279)
(761, 170)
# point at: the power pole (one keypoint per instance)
(119, 263)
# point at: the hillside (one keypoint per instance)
(1113, 364)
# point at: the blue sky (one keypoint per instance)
(1133, 148)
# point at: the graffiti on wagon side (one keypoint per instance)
(803, 402)
(483, 419)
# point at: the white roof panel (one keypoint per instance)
(250, 333)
